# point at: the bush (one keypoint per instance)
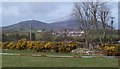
(30, 45)
(11, 45)
(4, 45)
(21, 44)
(40, 46)
(111, 49)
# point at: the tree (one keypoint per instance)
(104, 14)
(4, 37)
(47, 36)
(33, 36)
(84, 17)
(88, 14)
(94, 9)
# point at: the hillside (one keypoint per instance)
(25, 25)
(61, 25)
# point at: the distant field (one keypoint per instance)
(29, 61)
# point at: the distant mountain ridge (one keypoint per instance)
(61, 25)
(26, 25)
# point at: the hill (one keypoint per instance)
(35, 25)
(25, 25)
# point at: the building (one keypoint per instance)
(75, 33)
(68, 33)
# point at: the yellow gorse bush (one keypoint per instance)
(110, 47)
(48, 45)
(29, 45)
(11, 45)
(41, 46)
(21, 44)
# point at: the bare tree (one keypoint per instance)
(94, 9)
(104, 15)
(94, 6)
(88, 13)
(83, 16)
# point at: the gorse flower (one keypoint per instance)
(40, 46)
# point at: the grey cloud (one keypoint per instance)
(41, 11)
(33, 10)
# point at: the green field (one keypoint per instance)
(29, 61)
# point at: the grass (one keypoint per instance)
(29, 61)
(25, 61)
(40, 53)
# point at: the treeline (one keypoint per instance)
(50, 37)
(40, 46)
(17, 36)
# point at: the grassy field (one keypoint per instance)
(29, 61)
(40, 53)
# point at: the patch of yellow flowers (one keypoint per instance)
(110, 47)
(23, 44)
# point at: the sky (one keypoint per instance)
(14, 12)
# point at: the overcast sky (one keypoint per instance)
(14, 12)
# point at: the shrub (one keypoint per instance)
(4, 45)
(110, 49)
(21, 44)
(11, 45)
(40, 46)
(30, 45)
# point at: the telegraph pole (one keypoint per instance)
(112, 22)
(112, 26)
(30, 32)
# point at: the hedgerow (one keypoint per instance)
(40, 46)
